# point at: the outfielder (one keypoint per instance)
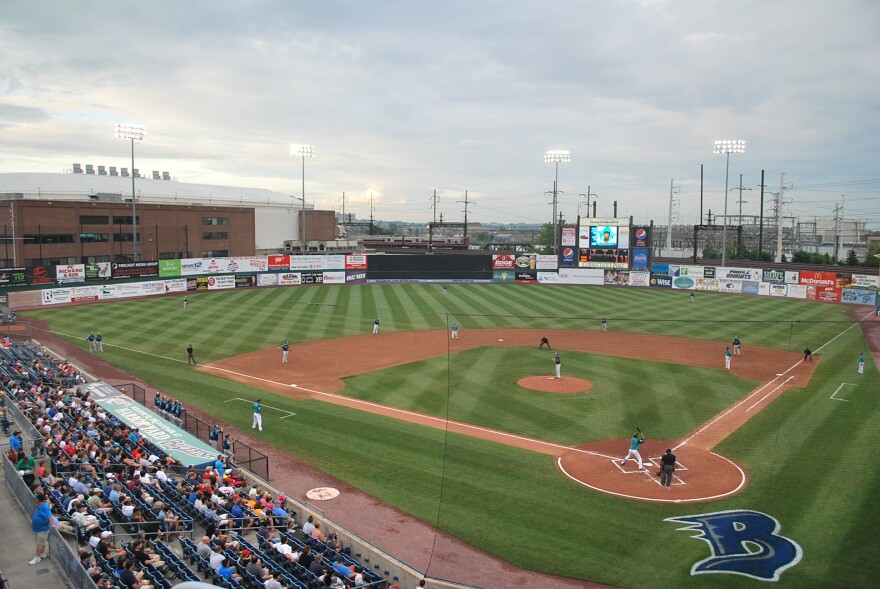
(258, 417)
(285, 347)
(99, 342)
(455, 331)
(634, 444)
(727, 354)
(862, 363)
(92, 345)
(375, 326)
(736, 347)
(604, 324)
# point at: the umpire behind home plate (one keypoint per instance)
(667, 467)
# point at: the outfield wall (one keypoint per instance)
(76, 283)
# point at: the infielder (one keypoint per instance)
(727, 355)
(557, 361)
(604, 324)
(258, 417)
(99, 342)
(92, 345)
(455, 331)
(736, 346)
(634, 444)
(375, 326)
(285, 347)
(862, 363)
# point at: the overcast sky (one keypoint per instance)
(401, 98)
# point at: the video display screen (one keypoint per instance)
(603, 236)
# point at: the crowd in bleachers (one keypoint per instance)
(103, 481)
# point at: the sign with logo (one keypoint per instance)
(864, 281)
(545, 262)
(569, 236)
(135, 269)
(335, 277)
(707, 284)
(777, 276)
(70, 273)
(691, 271)
(730, 285)
(623, 237)
(738, 274)
(775, 289)
(306, 263)
(640, 258)
(548, 278)
(15, 276)
(526, 277)
(245, 280)
(641, 236)
(844, 280)
(659, 268)
(98, 271)
(751, 287)
(857, 296)
(356, 262)
(593, 276)
(334, 262)
(40, 275)
(267, 279)
(792, 277)
(503, 262)
(504, 275)
(278, 263)
(818, 279)
(290, 279)
(568, 257)
(169, 268)
(526, 262)
(741, 542)
(660, 281)
(313, 278)
(683, 282)
(355, 277)
(639, 278)
(709, 272)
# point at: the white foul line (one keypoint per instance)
(776, 388)
(289, 413)
(843, 384)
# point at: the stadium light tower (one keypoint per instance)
(554, 156)
(727, 146)
(131, 132)
(303, 151)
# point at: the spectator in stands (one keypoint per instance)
(283, 547)
(274, 582)
(95, 538)
(108, 550)
(97, 503)
(317, 534)
(15, 442)
(254, 566)
(204, 548)
(127, 507)
(216, 559)
(140, 553)
(40, 524)
(332, 581)
(358, 578)
(227, 571)
(341, 569)
(317, 566)
(309, 526)
(132, 580)
(307, 557)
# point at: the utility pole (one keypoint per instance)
(466, 203)
(761, 220)
(779, 203)
(669, 226)
(838, 208)
(741, 201)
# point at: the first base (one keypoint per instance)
(500, 340)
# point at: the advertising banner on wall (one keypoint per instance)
(526, 262)
(312, 278)
(690, 271)
(569, 236)
(616, 277)
(569, 257)
(267, 279)
(503, 262)
(844, 280)
(169, 268)
(547, 262)
(593, 276)
(796, 291)
(776, 276)
(334, 262)
(641, 236)
(245, 280)
(39, 275)
(730, 286)
(306, 263)
(246, 264)
(13, 276)
(335, 277)
(751, 287)
(623, 237)
(858, 296)
(548, 278)
(709, 272)
(504, 276)
(278, 263)
(526, 277)
(684, 282)
(290, 279)
(864, 281)
(640, 258)
(753, 274)
(70, 273)
(826, 294)
(812, 278)
(792, 277)
(660, 281)
(774, 289)
(639, 278)
(659, 268)
(707, 284)
(135, 269)
(98, 271)
(355, 277)
(356, 262)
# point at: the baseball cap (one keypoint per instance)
(245, 552)
(40, 497)
(106, 534)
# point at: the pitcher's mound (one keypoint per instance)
(549, 384)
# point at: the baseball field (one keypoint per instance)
(778, 470)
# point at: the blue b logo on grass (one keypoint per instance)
(742, 542)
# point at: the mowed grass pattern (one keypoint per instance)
(810, 459)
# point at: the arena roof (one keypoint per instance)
(47, 186)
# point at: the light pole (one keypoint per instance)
(131, 133)
(555, 156)
(303, 151)
(727, 146)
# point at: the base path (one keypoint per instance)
(702, 476)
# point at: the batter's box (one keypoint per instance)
(655, 460)
(623, 467)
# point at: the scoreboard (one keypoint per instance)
(604, 243)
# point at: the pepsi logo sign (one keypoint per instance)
(641, 234)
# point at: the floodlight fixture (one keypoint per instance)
(727, 146)
(132, 132)
(303, 151)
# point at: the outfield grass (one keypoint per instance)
(811, 460)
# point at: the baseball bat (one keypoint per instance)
(638, 429)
